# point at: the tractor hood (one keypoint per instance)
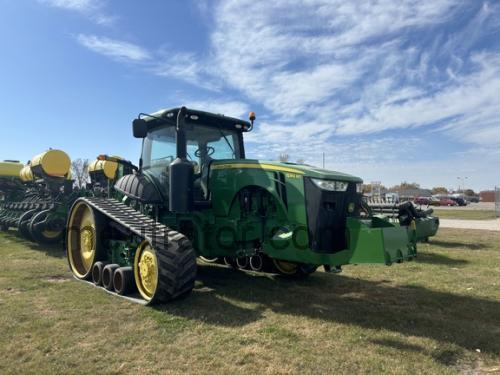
(300, 169)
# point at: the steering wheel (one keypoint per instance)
(210, 151)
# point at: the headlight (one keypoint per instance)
(330, 185)
(359, 187)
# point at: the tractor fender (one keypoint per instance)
(137, 186)
(227, 184)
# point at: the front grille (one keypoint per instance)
(326, 216)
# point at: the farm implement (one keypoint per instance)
(426, 225)
(44, 192)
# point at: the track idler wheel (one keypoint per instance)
(123, 280)
(39, 231)
(260, 263)
(242, 262)
(97, 272)
(107, 275)
(230, 261)
(83, 243)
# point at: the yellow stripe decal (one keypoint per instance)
(267, 167)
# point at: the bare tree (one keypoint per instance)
(284, 157)
(404, 186)
(369, 188)
(439, 190)
(80, 173)
(469, 192)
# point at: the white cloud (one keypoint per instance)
(355, 66)
(118, 49)
(328, 70)
(355, 152)
(187, 67)
(279, 50)
(470, 107)
(92, 9)
(231, 108)
(78, 5)
(349, 67)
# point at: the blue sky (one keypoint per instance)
(390, 91)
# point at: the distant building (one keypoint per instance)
(487, 196)
(412, 193)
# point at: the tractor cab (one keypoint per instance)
(179, 146)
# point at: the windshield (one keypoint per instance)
(204, 144)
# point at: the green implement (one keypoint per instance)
(426, 224)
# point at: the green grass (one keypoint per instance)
(439, 314)
(457, 213)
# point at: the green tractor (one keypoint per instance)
(194, 194)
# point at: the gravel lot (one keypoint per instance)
(470, 224)
(489, 206)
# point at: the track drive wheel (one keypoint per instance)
(292, 269)
(43, 236)
(82, 239)
(165, 271)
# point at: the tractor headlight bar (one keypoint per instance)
(330, 185)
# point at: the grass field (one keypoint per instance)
(439, 314)
(458, 213)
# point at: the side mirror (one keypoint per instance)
(140, 128)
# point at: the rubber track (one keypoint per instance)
(175, 253)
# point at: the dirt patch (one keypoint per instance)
(11, 291)
(491, 370)
(57, 279)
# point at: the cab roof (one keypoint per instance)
(194, 116)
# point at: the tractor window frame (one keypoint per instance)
(147, 147)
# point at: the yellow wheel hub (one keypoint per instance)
(87, 245)
(146, 270)
(82, 240)
(286, 268)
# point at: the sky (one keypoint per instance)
(388, 91)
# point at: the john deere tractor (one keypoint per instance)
(194, 194)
